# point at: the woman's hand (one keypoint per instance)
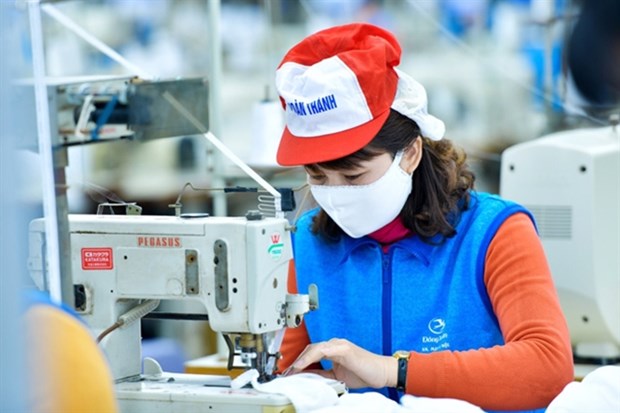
(351, 364)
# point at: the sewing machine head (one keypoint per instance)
(237, 267)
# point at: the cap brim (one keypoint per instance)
(294, 150)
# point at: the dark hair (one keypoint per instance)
(441, 182)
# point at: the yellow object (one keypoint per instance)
(67, 371)
(279, 409)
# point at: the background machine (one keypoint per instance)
(570, 181)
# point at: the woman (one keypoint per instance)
(426, 286)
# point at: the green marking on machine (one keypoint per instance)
(275, 250)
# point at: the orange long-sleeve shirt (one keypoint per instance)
(533, 365)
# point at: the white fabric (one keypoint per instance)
(598, 392)
(414, 404)
(243, 379)
(362, 209)
(306, 391)
(301, 85)
(370, 402)
(411, 101)
(311, 393)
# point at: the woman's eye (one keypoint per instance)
(352, 178)
(316, 178)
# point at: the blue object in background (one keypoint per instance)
(459, 16)
(13, 240)
(537, 56)
(167, 352)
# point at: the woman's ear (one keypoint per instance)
(412, 156)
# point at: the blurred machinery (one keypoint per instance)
(148, 168)
(570, 181)
(91, 110)
(592, 59)
(85, 110)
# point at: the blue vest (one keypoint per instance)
(416, 296)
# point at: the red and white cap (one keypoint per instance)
(337, 87)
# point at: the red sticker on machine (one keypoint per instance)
(97, 259)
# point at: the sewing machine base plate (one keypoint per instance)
(197, 393)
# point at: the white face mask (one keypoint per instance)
(362, 209)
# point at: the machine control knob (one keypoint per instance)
(192, 215)
(253, 215)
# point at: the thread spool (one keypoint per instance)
(267, 127)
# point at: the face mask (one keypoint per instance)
(362, 209)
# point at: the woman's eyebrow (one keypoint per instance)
(312, 168)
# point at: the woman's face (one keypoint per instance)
(366, 172)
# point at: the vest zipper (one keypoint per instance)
(386, 303)
(386, 307)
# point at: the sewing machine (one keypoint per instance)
(236, 267)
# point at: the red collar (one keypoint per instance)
(390, 233)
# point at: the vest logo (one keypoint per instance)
(437, 341)
(159, 242)
(275, 249)
(436, 325)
